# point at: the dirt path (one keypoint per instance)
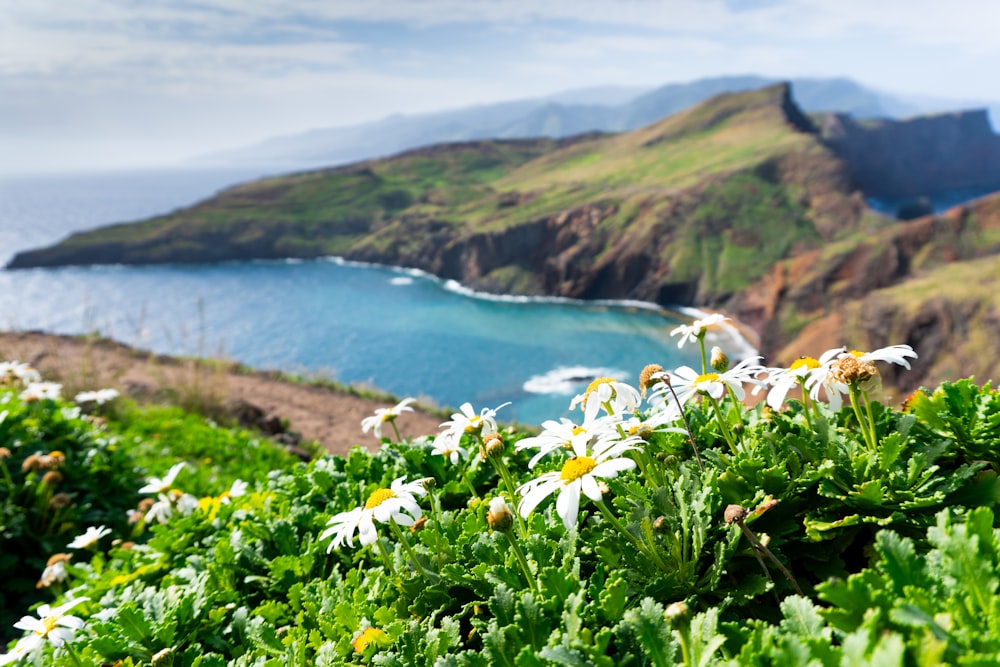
(326, 415)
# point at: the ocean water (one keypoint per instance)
(401, 331)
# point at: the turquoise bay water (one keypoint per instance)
(400, 331)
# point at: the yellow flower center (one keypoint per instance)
(856, 353)
(366, 638)
(576, 468)
(592, 387)
(707, 377)
(577, 430)
(49, 624)
(473, 424)
(378, 497)
(804, 362)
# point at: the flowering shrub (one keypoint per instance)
(60, 475)
(667, 524)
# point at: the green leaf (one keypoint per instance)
(135, 626)
(801, 618)
(612, 599)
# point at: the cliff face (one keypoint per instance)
(922, 156)
(932, 283)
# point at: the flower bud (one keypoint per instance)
(4, 453)
(32, 463)
(163, 658)
(850, 370)
(719, 361)
(51, 478)
(499, 516)
(660, 524)
(492, 446)
(735, 514)
(59, 501)
(418, 524)
(646, 379)
(675, 612)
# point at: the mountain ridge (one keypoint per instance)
(554, 116)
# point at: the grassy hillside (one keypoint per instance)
(699, 186)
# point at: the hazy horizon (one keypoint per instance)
(102, 84)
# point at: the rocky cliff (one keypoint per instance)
(924, 156)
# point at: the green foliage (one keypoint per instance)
(894, 549)
(59, 474)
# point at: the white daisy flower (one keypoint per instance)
(607, 393)
(157, 485)
(101, 396)
(186, 503)
(566, 435)
(467, 421)
(691, 333)
(89, 539)
(894, 354)
(55, 571)
(823, 379)
(688, 383)
(52, 624)
(447, 445)
(383, 415)
(578, 475)
(782, 380)
(160, 511)
(397, 503)
(37, 391)
(167, 503)
(21, 372)
(239, 488)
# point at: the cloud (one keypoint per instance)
(202, 74)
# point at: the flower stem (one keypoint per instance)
(806, 403)
(468, 483)
(7, 478)
(392, 423)
(723, 426)
(72, 655)
(409, 550)
(862, 422)
(508, 481)
(386, 558)
(704, 358)
(613, 520)
(871, 417)
(438, 537)
(521, 560)
(687, 426)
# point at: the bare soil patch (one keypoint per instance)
(330, 416)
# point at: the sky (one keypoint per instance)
(90, 84)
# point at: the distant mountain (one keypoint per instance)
(607, 108)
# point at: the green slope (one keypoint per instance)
(692, 209)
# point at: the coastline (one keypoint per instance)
(744, 340)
